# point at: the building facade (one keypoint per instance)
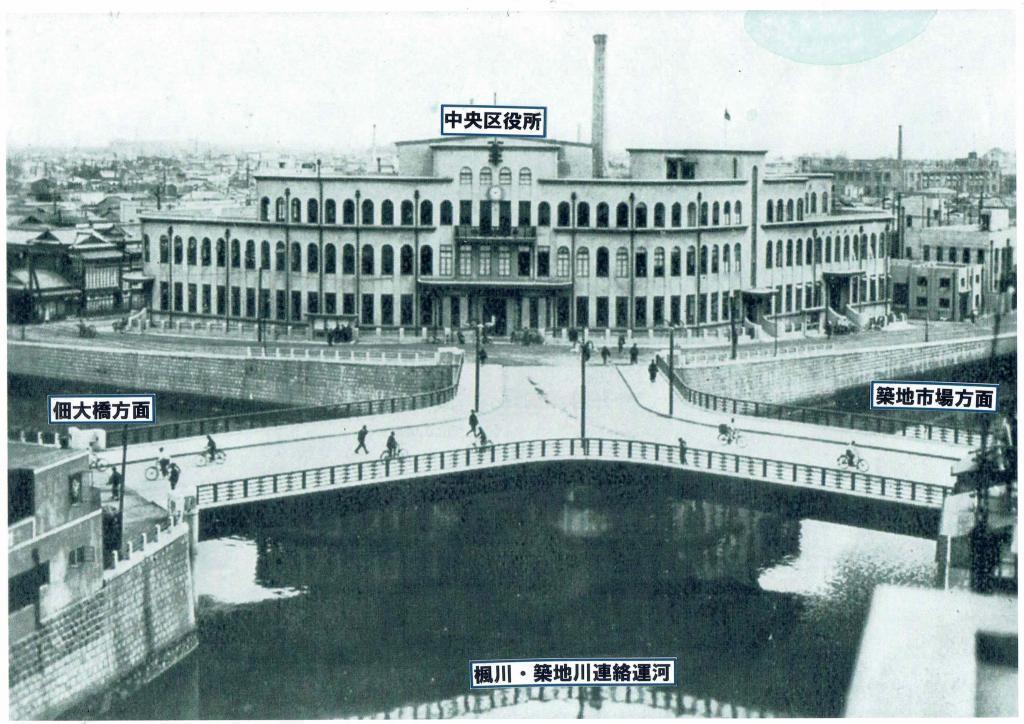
(942, 291)
(520, 234)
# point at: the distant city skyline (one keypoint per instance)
(318, 83)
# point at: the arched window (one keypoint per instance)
(874, 250)
(563, 213)
(279, 253)
(562, 265)
(405, 261)
(622, 262)
(296, 256)
(165, 250)
(296, 211)
(640, 263)
(677, 262)
(714, 259)
(206, 252)
(193, 249)
(864, 248)
(704, 259)
(824, 202)
(799, 209)
(736, 256)
(691, 214)
(505, 176)
(778, 254)
(737, 210)
(330, 259)
(602, 262)
(387, 213)
(179, 250)
(222, 253)
(727, 213)
(312, 209)
(828, 249)
(659, 262)
(704, 213)
(426, 261)
(279, 209)
(582, 214)
(768, 255)
(408, 214)
(817, 249)
(677, 215)
(348, 259)
(348, 212)
(250, 254)
(330, 212)
(640, 218)
(583, 262)
(799, 252)
(780, 212)
(622, 214)
(367, 211)
(236, 254)
(446, 213)
(659, 215)
(602, 215)
(809, 253)
(387, 260)
(485, 176)
(726, 266)
(769, 212)
(265, 208)
(789, 210)
(691, 261)
(466, 176)
(426, 212)
(846, 248)
(312, 259)
(814, 202)
(366, 259)
(715, 220)
(525, 177)
(543, 214)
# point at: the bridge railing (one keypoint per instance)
(286, 416)
(296, 482)
(888, 424)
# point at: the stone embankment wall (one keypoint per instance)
(796, 378)
(293, 382)
(140, 623)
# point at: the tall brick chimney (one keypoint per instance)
(597, 120)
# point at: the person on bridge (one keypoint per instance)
(361, 437)
(473, 422)
(682, 451)
(605, 354)
(852, 454)
(164, 461)
(622, 343)
(634, 354)
(392, 445)
(174, 474)
(211, 448)
(729, 430)
(481, 437)
(115, 482)
(652, 370)
(482, 356)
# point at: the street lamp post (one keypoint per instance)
(476, 396)
(671, 367)
(584, 356)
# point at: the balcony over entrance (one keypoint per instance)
(495, 234)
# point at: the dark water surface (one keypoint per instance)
(372, 601)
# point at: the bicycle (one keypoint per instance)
(844, 462)
(153, 471)
(205, 458)
(388, 455)
(732, 437)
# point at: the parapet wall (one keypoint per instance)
(292, 382)
(795, 378)
(138, 621)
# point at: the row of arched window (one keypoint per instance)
(779, 210)
(205, 252)
(406, 212)
(486, 176)
(713, 260)
(790, 254)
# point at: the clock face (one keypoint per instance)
(494, 193)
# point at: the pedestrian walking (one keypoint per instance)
(652, 370)
(622, 343)
(682, 451)
(483, 356)
(115, 482)
(481, 437)
(605, 354)
(361, 437)
(828, 329)
(174, 474)
(473, 422)
(634, 354)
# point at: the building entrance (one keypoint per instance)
(495, 308)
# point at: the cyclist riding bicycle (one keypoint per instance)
(728, 431)
(852, 454)
(392, 445)
(163, 460)
(211, 448)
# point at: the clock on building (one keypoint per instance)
(494, 193)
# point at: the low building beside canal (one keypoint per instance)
(943, 291)
(79, 630)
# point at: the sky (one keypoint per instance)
(320, 82)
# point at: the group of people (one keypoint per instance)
(391, 447)
(477, 430)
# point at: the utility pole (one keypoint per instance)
(671, 368)
(476, 394)
(584, 356)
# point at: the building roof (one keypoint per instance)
(726, 151)
(474, 138)
(36, 457)
(48, 280)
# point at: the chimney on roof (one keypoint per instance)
(899, 159)
(597, 117)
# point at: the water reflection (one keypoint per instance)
(378, 598)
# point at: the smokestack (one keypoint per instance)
(899, 158)
(597, 129)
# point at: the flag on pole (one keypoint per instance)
(727, 116)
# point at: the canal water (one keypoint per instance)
(373, 601)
